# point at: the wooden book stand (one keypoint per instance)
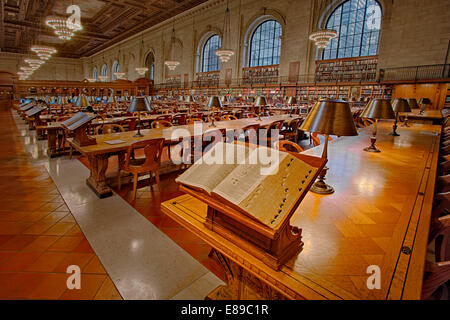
(273, 247)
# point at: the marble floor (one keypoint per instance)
(136, 252)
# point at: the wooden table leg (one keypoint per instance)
(97, 179)
(241, 284)
(51, 143)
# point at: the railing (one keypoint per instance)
(427, 72)
(436, 71)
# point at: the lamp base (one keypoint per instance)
(138, 135)
(321, 187)
(212, 125)
(393, 134)
(372, 149)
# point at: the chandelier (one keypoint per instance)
(172, 63)
(34, 63)
(43, 52)
(91, 79)
(103, 78)
(62, 30)
(223, 53)
(323, 37)
(141, 70)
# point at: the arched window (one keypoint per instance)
(150, 64)
(210, 61)
(94, 73)
(358, 24)
(115, 68)
(104, 70)
(265, 44)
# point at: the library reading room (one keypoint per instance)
(209, 150)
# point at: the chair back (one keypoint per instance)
(166, 117)
(179, 119)
(152, 152)
(193, 120)
(228, 117)
(109, 128)
(157, 124)
(288, 146)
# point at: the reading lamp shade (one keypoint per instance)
(424, 101)
(378, 109)
(261, 101)
(214, 102)
(139, 104)
(400, 105)
(332, 117)
(189, 99)
(291, 100)
(413, 103)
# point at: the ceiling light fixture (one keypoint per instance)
(172, 63)
(223, 53)
(323, 37)
(43, 52)
(59, 24)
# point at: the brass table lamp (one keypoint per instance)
(329, 117)
(423, 104)
(260, 102)
(214, 103)
(377, 109)
(139, 104)
(82, 101)
(189, 99)
(399, 105)
(291, 101)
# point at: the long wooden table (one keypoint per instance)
(428, 116)
(99, 153)
(379, 215)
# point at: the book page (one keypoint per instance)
(267, 198)
(244, 179)
(276, 195)
(214, 166)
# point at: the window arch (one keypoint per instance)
(358, 24)
(104, 70)
(265, 44)
(115, 68)
(150, 64)
(210, 61)
(94, 73)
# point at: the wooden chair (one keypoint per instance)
(437, 273)
(288, 146)
(228, 117)
(316, 140)
(179, 119)
(291, 130)
(250, 115)
(108, 128)
(273, 132)
(249, 134)
(166, 117)
(158, 124)
(149, 164)
(214, 117)
(193, 120)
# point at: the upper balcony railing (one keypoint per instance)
(426, 72)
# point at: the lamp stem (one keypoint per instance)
(139, 134)
(394, 132)
(373, 139)
(320, 186)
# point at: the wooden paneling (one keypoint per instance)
(436, 92)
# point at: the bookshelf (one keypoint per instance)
(263, 75)
(347, 70)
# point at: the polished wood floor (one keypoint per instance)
(39, 237)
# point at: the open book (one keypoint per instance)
(77, 121)
(260, 182)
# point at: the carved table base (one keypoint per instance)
(241, 284)
(97, 179)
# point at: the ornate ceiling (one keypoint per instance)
(105, 22)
